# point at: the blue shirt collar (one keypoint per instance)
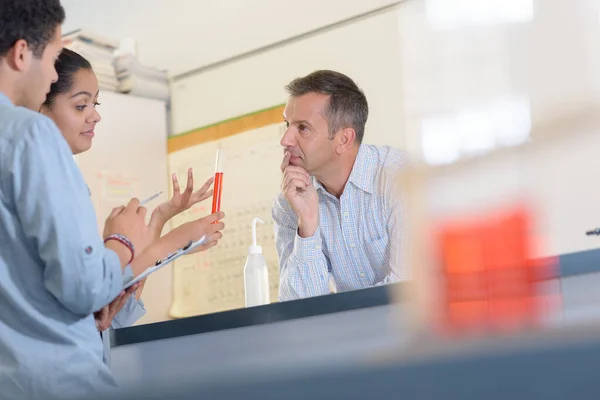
(4, 100)
(362, 171)
(361, 175)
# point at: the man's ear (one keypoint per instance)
(345, 140)
(19, 56)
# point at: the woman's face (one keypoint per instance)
(74, 112)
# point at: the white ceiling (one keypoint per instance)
(180, 35)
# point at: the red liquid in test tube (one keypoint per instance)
(218, 185)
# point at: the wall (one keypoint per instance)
(367, 50)
(185, 34)
(477, 69)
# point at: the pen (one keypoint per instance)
(149, 199)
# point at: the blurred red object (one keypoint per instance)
(490, 278)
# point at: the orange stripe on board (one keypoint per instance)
(226, 128)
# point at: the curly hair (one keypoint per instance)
(34, 21)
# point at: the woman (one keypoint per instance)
(72, 103)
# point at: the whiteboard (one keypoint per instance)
(129, 158)
(212, 281)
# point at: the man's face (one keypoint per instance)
(307, 134)
(40, 74)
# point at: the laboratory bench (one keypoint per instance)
(313, 337)
(551, 365)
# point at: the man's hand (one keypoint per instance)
(105, 316)
(302, 196)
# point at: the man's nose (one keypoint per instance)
(288, 140)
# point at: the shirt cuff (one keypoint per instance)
(141, 303)
(127, 275)
(309, 248)
(132, 311)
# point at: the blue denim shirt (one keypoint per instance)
(54, 269)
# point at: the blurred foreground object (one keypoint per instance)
(478, 234)
(489, 276)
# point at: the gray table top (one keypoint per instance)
(571, 264)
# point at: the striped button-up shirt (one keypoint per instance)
(357, 237)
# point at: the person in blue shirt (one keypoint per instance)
(56, 271)
(72, 104)
(338, 219)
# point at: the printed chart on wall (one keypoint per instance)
(213, 280)
(113, 189)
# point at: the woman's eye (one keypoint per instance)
(81, 108)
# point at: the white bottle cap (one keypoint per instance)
(255, 250)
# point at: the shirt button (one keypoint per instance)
(352, 245)
(317, 247)
(362, 274)
(346, 214)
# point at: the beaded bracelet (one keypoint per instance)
(124, 241)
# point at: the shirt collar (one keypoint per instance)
(362, 171)
(4, 100)
(361, 175)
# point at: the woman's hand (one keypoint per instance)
(194, 230)
(105, 316)
(128, 221)
(179, 237)
(180, 202)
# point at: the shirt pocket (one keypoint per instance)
(377, 254)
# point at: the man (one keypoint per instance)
(337, 218)
(54, 269)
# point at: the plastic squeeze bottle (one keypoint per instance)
(256, 273)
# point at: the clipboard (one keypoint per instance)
(164, 261)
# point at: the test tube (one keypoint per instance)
(218, 185)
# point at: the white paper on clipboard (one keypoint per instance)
(168, 259)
